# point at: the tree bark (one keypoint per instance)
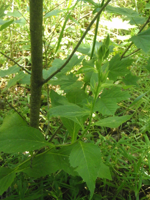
(36, 16)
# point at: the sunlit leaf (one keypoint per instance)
(107, 103)
(142, 40)
(71, 110)
(10, 70)
(86, 158)
(113, 122)
(52, 13)
(118, 67)
(122, 11)
(20, 139)
(14, 80)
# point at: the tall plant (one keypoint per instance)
(95, 93)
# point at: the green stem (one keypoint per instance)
(95, 36)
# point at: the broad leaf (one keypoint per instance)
(142, 40)
(137, 20)
(25, 80)
(130, 79)
(13, 81)
(85, 49)
(113, 122)
(52, 13)
(107, 103)
(67, 83)
(106, 106)
(21, 21)
(71, 110)
(7, 177)
(94, 81)
(72, 127)
(20, 139)
(15, 13)
(2, 10)
(51, 70)
(6, 24)
(48, 163)
(118, 67)
(10, 70)
(57, 99)
(147, 6)
(12, 120)
(76, 96)
(86, 158)
(122, 11)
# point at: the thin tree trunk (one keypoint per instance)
(36, 16)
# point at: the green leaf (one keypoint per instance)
(49, 163)
(2, 10)
(76, 96)
(7, 177)
(73, 62)
(107, 103)
(25, 80)
(10, 70)
(94, 82)
(52, 13)
(6, 24)
(122, 11)
(148, 65)
(85, 49)
(12, 120)
(71, 110)
(142, 40)
(86, 158)
(115, 94)
(61, 33)
(147, 6)
(72, 127)
(20, 21)
(118, 67)
(113, 122)
(67, 83)
(106, 106)
(20, 139)
(13, 81)
(137, 20)
(130, 79)
(15, 13)
(137, 100)
(57, 99)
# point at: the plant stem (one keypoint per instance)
(36, 17)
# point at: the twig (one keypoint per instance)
(147, 21)
(132, 53)
(83, 36)
(15, 63)
(55, 133)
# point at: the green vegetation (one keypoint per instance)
(80, 128)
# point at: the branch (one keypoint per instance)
(15, 63)
(83, 36)
(55, 133)
(132, 53)
(137, 34)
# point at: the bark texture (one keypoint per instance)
(36, 16)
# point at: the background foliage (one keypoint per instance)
(93, 136)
